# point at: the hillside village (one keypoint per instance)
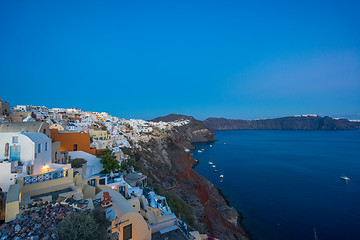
(55, 161)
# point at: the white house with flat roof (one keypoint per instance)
(93, 164)
(126, 221)
(23, 153)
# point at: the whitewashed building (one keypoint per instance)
(23, 153)
(73, 127)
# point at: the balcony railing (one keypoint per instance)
(45, 177)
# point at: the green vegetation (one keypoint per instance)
(146, 145)
(127, 164)
(83, 226)
(180, 207)
(100, 217)
(130, 142)
(109, 162)
(78, 162)
(127, 125)
(126, 150)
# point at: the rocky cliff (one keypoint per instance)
(194, 131)
(170, 167)
(305, 122)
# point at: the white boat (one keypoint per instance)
(210, 145)
(214, 166)
(221, 176)
(199, 151)
(210, 163)
(203, 149)
(316, 238)
(345, 178)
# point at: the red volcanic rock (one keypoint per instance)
(59, 217)
(34, 215)
(171, 165)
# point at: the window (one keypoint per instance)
(15, 153)
(30, 170)
(91, 182)
(7, 147)
(15, 139)
(127, 230)
(75, 147)
(45, 146)
(102, 181)
(39, 148)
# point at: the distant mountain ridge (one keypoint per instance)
(301, 122)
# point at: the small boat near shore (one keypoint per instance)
(345, 178)
(199, 151)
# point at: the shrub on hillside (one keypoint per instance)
(126, 150)
(109, 162)
(180, 208)
(78, 162)
(81, 226)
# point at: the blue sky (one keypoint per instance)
(143, 59)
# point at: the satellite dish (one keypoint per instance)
(110, 214)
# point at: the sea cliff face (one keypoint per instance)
(310, 122)
(170, 166)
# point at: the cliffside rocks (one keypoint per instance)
(170, 167)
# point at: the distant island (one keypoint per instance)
(299, 122)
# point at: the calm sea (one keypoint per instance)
(286, 183)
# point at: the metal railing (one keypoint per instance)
(45, 177)
(183, 228)
(97, 202)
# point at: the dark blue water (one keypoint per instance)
(286, 183)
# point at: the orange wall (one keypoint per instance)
(68, 139)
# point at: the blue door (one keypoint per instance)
(15, 153)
